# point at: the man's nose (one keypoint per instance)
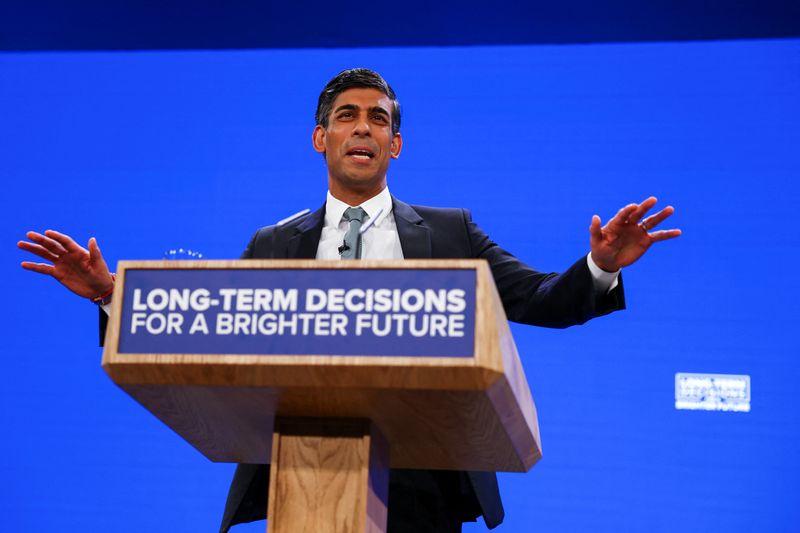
(361, 126)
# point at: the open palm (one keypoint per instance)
(82, 271)
(624, 239)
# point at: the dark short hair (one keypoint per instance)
(355, 78)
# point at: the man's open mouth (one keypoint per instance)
(364, 154)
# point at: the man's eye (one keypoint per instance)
(379, 118)
(346, 114)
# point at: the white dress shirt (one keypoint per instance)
(380, 241)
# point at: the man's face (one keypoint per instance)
(358, 142)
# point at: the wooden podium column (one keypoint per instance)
(328, 476)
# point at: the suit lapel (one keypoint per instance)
(415, 237)
(305, 240)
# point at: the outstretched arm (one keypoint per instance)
(82, 271)
(624, 239)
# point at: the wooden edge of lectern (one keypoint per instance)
(332, 426)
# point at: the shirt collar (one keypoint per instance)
(334, 208)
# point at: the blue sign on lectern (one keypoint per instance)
(409, 312)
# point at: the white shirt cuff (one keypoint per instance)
(603, 281)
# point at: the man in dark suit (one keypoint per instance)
(358, 132)
(358, 123)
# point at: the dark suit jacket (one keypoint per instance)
(529, 297)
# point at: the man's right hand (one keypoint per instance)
(82, 271)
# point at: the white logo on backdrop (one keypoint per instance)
(712, 392)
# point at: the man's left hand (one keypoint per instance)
(624, 239)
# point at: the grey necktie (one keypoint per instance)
(352, 239)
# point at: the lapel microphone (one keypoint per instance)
(343, 248)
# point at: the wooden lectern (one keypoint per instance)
(330, 425)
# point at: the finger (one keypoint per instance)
(643, 208)
(47, 242)
(65, 241)
(41, 251)
(623, 214)
(663, 235)
(654, 220)
(595, 228)
(41, 268)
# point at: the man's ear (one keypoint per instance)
(318, 139)
(397, 145)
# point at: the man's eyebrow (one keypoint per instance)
(354, 107)
(347, 107)
(379, 109)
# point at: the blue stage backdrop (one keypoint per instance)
(156, 150)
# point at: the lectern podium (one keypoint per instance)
(332, 372)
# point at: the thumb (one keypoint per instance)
(595, 231)
(95, 256)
